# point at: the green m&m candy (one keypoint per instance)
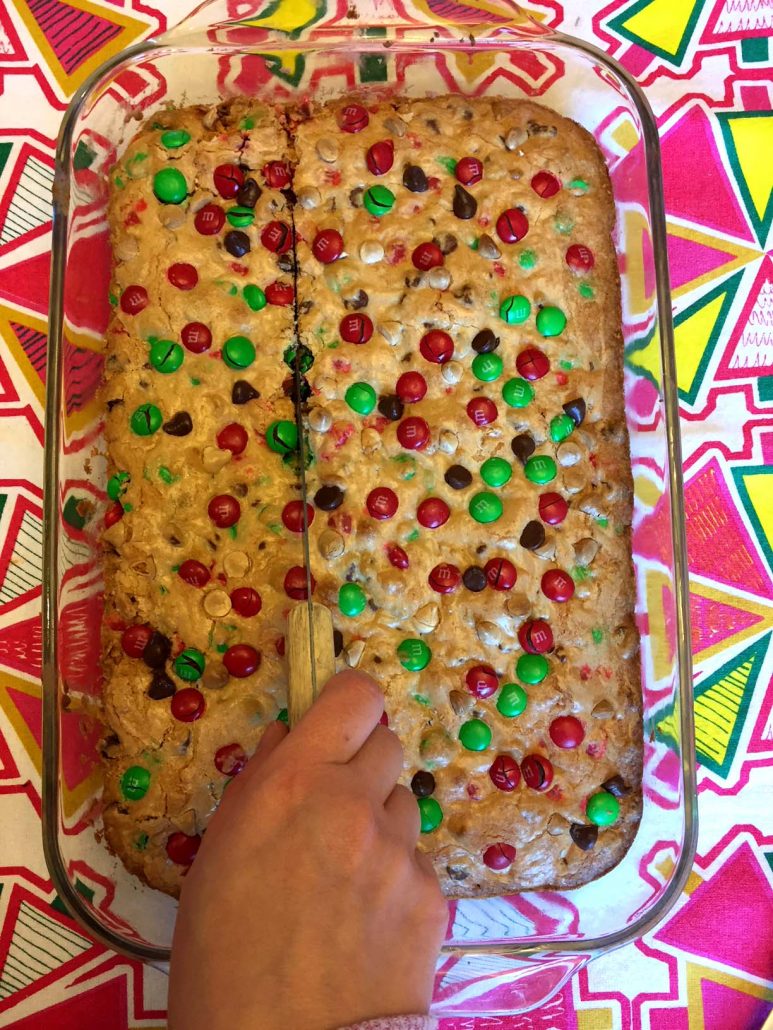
(283, 716)
(117, 484)
(174, 138)
(238, 352)
(532, 668)
(169, 186)
(431, 814)
(603, 809)
(255, 297)
(240, 216)
(361, 397)
(512, 700)
(514, 309)
(495, 472)
(282, 436)
(540, 469)
(378, 200)
(414, 655)
(351, 599)
(146, 420)
(475, 735)
(486, 507)
(518, 392)
(487, 367)
(189, 664)
(135, 782)
(550, 321)
(166, 356)
(561, 426)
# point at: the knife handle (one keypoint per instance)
(305, 671)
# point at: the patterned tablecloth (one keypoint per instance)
(707, 69)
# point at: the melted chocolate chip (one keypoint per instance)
(391, 407)
(239, 489)
(248, 193)
(523, 446)
(465, 205)
(161, 687)
(338, 642)
(575, 409)
(446, 241)
(458, 477)
(286, 262)
(178, 425)
(116, 402)
(616, 786)
(296, 389)
(356, 301)
(533, 535)
(423, 784)
(475, 579)
(242, 391)
(289, 195)
(157, 650)
(457, 873)
(328, 498)
(414, 179)
(485, 341)
(584, 837)
(355, 196)
(237, 243)
(433, 124)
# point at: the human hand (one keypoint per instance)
(308, 905)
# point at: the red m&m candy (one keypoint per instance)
(209, 220)
(436, 346)
(182, 275)
(241, 660)
(228, 179)
(356, 328)
(557, 585)
(500, 573)
(499, 856)
(411, 387)
(134, 299)
(482, 411)
(194, 573)
(545, 184)
(328, 246)
(413, 433)
(532, 364)
(426, 256)
(233, 438)
(295, 583)
(230, 759)
(552, 508)
(537, 772)
(432, 513)
(246, 602)
(292, 516)
(469, 171)
(276, 174)
(504, 773)
(224, 510)
(196, 337)
(382, 503)
(353, 118)
(113, 514)
(188, 704)
(396, 556)
(580, 258)
(481, 681)
(512, 225)
(380, 157)
(277, 237)
(182, 849)
(536, 636)
(567, 732)
(444, 578)
(280, 294)
(134, 640)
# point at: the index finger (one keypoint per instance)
(341, 719)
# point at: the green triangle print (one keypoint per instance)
(696, 332)
(663, 27)
(748, 137)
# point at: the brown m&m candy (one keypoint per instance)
(536, 636)
(356, 328)
(414, 179)
(557, 585)
(134, 299)
(485, 341)
(533, 535)
(444, 578)
(537, 772)
(328, 246)
(248, 193)
(228, 179)
(237, 243)
(504, 773)
(458, 477)
(552, 508)
(157, 650)
(277, 237)
(532, 364)
(475, 579)
(512, 225)
(380, 157)
(423, 784)
(481, 681)
(329, 497)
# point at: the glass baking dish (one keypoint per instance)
(505, 954)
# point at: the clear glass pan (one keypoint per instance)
(503, 954)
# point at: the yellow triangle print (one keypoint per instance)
(473, 67)
(691, 338)
(658, 586)
(738, 255)
(753, 139)
(760, 491)
(764, 612)
(287, 16)
(663, 24)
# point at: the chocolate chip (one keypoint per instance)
(237, 243)
(533, 535)
(523, 446)
(303, 391)
(391, 407)
(465, 205)
(485, 341)
(355, 197)
(338, 642)
(458, 477)
(178, 425)
(242, 391)
(616, 786)
(289, 195)
(457, 873)
(239, 489)
(116, 402)
(414, 179)
(356, 301)
(446, 241)
(248, 193)
(433, 124)
(423, 784)
(286, 262)
(475, 579)
(329, 497)
(584, 837)
(157, 650)
(161, 687)
(575, 410)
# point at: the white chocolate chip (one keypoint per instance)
(515, 138)
(125, 248)
(603, 710)
(353, 653)
(331, 544)
(325, 386)
(309, 197)
(449, 441)
(437, 748)
(489, 634)
(172, 216)
(427, 617)
(327, 149)
(320, 420)
(215, 676)
(574, 480)
(396, 126)
(568, 454)
(518, 605)
(546, 550)
(452, 372)
(370, 441)
(439, 278)
(371, 252)
(236, 564)
(214, 458)
(487, 248)
(590, 507)
(144, 566)
(391, 331)
(557, 824)
(217, 604)
(460, 702)
(627, 640)
(585, 551)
